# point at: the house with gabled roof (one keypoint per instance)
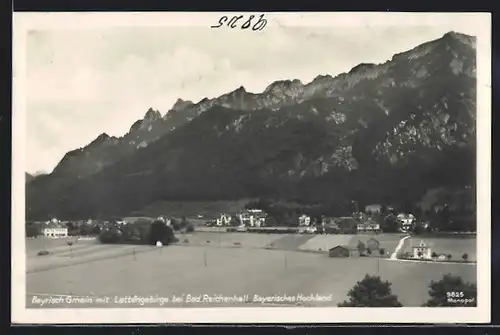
(343, 251)
(224, 219)
(253, 217)
(54, 229)
(368, 225)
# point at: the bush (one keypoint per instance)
(32, 230)
(43, 253)
(449, 257)
(448, 285)
(373, 244)
(465, 257)
(189, 228)
(361, 247)
(237, 243)
(110, 235)
(186, 240)
(382, 252)
(368, 251)
(371, 292)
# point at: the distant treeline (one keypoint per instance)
(143, 232)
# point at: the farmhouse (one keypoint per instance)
(253, 218)
(304, 220)
(224, 220)
(343, 251)
(406, 220)
(368, 226)
(55, 231)
(422, 251)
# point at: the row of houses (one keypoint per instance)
(248, 218)
(359, 223)
(421, 251)
(53, 228)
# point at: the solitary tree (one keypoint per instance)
(159, 231)
(371, 292)
(465, 257)
(293, 220)
(450, 288)
(190, 228)
(434, 255)
(361, 247)
(110, 235)
(184, 222)
(449, 257)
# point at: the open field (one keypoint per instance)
(206, 268)
(33, 246)
(456, 247)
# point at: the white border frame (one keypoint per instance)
(481, 314)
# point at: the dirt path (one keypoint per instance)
(394, 255)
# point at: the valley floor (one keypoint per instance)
(227, 264)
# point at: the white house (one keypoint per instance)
(253, 218)
(368, 226)
(406, 220)
(55, 232)
(224, 220)
(304, 220)
(422, 251)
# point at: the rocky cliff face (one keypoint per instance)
(335, 137)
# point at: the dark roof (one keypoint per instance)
(347, 247)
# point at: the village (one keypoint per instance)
(254, 220)
(248, 220)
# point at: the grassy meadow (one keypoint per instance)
(223, 267)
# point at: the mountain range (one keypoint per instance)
(378, 133)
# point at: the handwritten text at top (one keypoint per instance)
(240, 21)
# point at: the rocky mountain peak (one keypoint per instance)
(181, 105)
(239, 90)
(100, 139)
(152, 115)
(282, 85)
(363, 67)
(389, 113)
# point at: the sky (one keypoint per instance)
(84, 82)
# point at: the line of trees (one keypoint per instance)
(140, 232)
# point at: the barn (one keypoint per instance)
(343, 251)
